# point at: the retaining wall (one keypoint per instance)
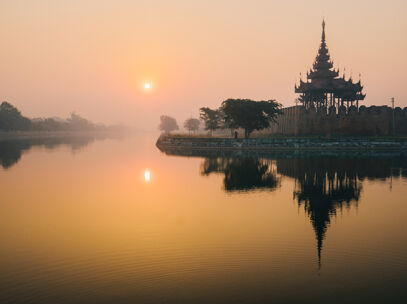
(365, 121)
(167, 142)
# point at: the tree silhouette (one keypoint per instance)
(211, 118)
(11, 118)
(12, 150)
(249, 114)
(192, 125)
(168, 124)
(242, 174)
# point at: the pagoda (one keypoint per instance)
(324, 87)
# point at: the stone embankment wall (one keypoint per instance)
(167, 142)
(365, 121)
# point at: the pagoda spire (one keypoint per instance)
(323, 87)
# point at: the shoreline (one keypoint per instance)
(21, 135)
(177, 143)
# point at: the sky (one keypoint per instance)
(94, 56)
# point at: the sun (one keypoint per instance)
(147, 85)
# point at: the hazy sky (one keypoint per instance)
(94, 56)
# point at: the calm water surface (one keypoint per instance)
(118, 221)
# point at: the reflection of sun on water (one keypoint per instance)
(147, 175)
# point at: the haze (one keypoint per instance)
(95, 57)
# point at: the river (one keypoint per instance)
(118, 221)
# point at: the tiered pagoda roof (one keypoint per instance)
(323, 80)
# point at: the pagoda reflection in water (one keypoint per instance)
(326, 185)
(323, 186)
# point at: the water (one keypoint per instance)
(117, 221)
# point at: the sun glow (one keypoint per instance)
(147, 86)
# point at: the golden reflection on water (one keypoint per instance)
(84, 226)
(147, 175)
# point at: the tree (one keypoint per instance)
(211, 118)
(77, 122)
(168, 124)
(226, 122)
(192, 124)
(249, 114)
(48, 124)
(11, 118)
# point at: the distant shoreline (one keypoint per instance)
(12, 135)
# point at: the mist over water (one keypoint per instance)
(95, 57)
(118, 221)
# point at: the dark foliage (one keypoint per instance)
(249, 114)
(11, 118)
(192, 124)
(211, 118)
(12, 150)
(242, 174)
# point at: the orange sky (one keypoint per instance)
(93, 57)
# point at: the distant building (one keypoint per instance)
(324, 87)
(330, 106)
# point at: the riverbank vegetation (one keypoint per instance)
(167, 124)
(11, 120)
(246, 114)
(233, 114)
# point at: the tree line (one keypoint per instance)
(11, 119)
(247, 114)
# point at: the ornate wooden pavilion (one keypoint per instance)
(323, 86)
